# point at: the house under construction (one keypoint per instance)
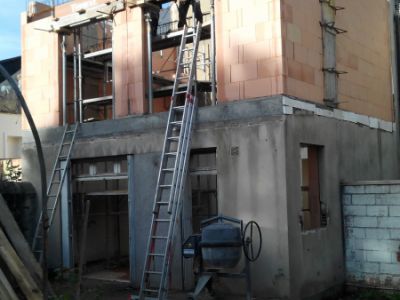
(294, 97)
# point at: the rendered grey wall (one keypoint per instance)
(251, 181)
(351, 152)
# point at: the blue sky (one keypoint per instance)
(10, 36)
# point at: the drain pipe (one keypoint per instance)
(42, 168)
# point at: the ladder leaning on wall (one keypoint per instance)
(173, 169)
(57, 178)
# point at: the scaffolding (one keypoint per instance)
(87, 62)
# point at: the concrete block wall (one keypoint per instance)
(371, 215)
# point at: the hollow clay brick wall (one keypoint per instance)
(363, 52)
(41, 74)
(249, 49)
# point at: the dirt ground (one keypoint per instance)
(103, 290)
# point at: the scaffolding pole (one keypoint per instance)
(64, 79)
(80, 77)
(149, 63)
(75, 81)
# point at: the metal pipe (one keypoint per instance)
(80, 78)
(43, 177)
(75, 85)
(213, 56)
(64, 79)
(149, 63)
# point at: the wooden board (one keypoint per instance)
(19, 242)
(17, 268)
(6, 290)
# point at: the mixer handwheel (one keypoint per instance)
(252, 241)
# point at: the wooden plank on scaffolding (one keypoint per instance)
(18, 270)
(6, 290)
(19, 242)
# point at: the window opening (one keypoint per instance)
(312, 216)
(203, 178)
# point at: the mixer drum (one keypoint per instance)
(221, 246)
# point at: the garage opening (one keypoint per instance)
(101, 183)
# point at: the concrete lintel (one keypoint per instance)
(97, 12)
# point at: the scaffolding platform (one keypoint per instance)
(173, 39)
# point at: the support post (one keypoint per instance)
(213, 56)
(131, 217)
(82, 249)
(149, 62)
(66, 219)
(64, 79)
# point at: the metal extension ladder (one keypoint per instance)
(54, 188)
(172, 173)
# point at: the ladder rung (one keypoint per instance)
(183, 77)
(171, 153)
(190, 35)
(166, 186)
(156, 237)
(58, 169)
(179, 107)
(180, 92)
(63, 157)
(70, 131)
(153, 273)
(168, 170)
(173, 138)
(52, 196)
(162, 220)
(151, 291)
(67, 143)
(156, 254)
(187, 49)
(177, 123)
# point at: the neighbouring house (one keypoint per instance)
(305, 98)
(10, 117)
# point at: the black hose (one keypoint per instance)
(42, 168)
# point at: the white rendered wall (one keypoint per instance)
(10, 136)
